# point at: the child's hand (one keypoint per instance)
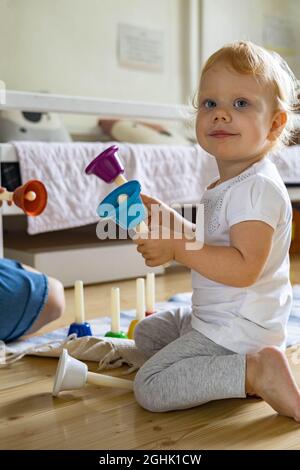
(157, 249)
(156, 252)
(165, 225)
(2, 190)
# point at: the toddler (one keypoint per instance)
(231, 343)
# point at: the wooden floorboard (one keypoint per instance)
(103, 418)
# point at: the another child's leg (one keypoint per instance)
(269, 376)
(157, 330)
(54, 306)
(188, 372)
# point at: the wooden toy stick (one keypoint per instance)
(107, 381)
(6, 196)
(150, 293)
(79, 302)
(9, 195)
(140, 298)
(120, 179)
(115, 309)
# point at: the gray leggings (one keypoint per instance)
(185, 368)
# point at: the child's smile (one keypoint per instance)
(222, 134)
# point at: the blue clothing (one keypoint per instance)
(23, 295)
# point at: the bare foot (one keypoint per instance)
(269, 376)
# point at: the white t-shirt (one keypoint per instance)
(247, 319)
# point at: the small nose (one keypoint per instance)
(221, 115)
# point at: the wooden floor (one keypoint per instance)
(102, 418)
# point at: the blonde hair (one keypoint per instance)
(270, 69)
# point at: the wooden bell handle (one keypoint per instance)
(9, 195)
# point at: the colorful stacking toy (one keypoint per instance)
(80, 326)
(140, 306)
(115, 312)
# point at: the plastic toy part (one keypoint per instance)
(149, 313)
(118, 334)
(130, 333)
(70, 374)
(107, 165)
(127, 212)
(81, 329)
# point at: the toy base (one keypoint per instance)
(81, 329)
(149, 313)
(119, 334)
(131, 329)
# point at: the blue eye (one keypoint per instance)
(209, 104)
(240, 103)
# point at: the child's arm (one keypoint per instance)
(237, 265)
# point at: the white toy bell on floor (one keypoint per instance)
(72, 374)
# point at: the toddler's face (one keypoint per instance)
(235, 114)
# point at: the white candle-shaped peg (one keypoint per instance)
(79, 302)
(150, 293)
(140, 298)
(115, 309)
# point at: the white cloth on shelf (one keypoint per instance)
(174, 174)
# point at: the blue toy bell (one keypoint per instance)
(127, 212)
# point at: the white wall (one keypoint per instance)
(224, 21)
(294, 9)
(70, 47)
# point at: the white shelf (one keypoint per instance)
(41, 102)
